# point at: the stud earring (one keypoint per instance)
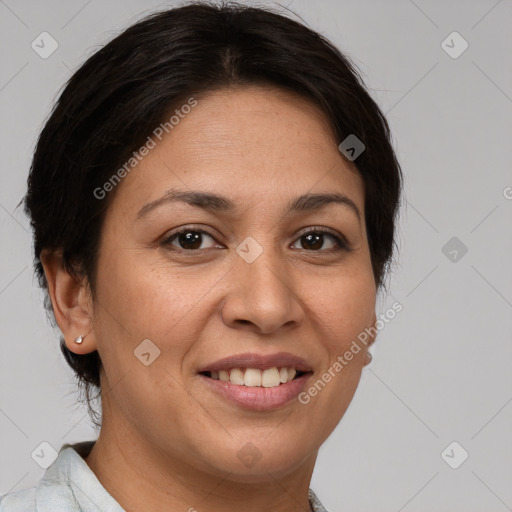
(369, 357)
(79, 339)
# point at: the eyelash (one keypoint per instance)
(341, 243)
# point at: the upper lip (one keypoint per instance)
(260, 361)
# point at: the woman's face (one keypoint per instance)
(241, 280)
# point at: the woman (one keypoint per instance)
(213, 200)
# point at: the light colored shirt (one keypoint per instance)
(69, 485)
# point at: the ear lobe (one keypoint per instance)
(71, 302)
(374, 331)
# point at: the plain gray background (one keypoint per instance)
(441, 369)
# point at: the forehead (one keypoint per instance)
(249, 143)
(255, 121)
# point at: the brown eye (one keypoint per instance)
(188, 239)
(314, 240)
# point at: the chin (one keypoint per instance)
(252, 465)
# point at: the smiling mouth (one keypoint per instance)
(258, 389)
(254, 377)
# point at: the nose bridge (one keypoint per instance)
(261, 268)
(261, 292)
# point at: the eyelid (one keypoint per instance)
(323, 230)
(183, 229)
(342, 244)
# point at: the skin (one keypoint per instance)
(166, 439)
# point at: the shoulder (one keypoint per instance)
(314, 502)
(53, 492)
(19, 501)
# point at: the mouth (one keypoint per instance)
(249, 391)
(255, 381)
(255, 377)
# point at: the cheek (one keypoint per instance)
(344, 305)
(137, 301)
(143, 297)
(148, 297)
(351, 314)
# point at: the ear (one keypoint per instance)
(371, 340)
(71, 301)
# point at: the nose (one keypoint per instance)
(262, 296)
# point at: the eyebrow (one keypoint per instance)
(216, 203)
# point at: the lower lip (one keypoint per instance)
(258, 398)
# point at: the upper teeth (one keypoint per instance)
(255, 377)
